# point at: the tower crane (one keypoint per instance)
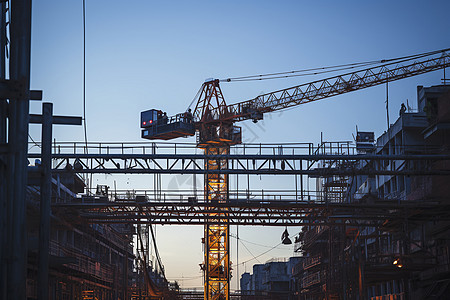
(214, 122)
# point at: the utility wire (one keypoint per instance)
(249, 251)
(247, 241)
(86, 150)
(186, 278)
(256, 257)
(265, 252)
(84, 76)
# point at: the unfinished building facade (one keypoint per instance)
(87, 261)
(404, 258)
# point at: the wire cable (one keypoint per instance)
(185, 278)
(265, 252)
(84, 76)
(299, 75)
(321, 69)
(256, 257)
(35, 144)
(158, 258)
(328, 69)
(248, 250)
(253, 243)
(195, 98)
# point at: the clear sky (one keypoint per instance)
(156, 54)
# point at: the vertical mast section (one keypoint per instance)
(216, 136)
(217, 254)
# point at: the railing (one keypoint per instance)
(171, 148)
(312, 234)
(399, 296)
(193, 196)
(278, 259)
(310, 262)
(311, 279)
(345, 147)
(84, 264)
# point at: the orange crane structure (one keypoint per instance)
(214, 122)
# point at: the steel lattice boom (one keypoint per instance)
(341, 84)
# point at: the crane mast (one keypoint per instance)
(214, 121)
(215, 138)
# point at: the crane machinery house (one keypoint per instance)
(157, 125)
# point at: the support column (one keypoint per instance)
(217, 245)
(20, 32)
(3, 160)
(46, 196)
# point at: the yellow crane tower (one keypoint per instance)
(213, 120)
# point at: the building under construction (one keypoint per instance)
(374, 226)
(404, 258)
(86, 261)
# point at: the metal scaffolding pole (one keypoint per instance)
(46, 195)
(3, 157)
(19, 67)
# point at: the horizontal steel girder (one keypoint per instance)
(264, 214)
(345, 165)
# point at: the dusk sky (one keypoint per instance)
(156, 54)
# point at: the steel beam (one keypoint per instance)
(281, 157)
(46, 196)
(3, 159)
(61, 120)
(20, 55)
(246, 164)
(312, 173)
(275, 213)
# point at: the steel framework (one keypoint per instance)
(217, 246)
(256, 159)
(338, 85)
(255, 212)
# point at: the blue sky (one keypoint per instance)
(156, 54)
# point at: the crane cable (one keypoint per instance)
(195, 98)
(158, 257)
(320, 71)
(329, 69)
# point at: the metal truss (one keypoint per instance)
(217, 233)
(255, 212)
(337, 85)
(304, 164)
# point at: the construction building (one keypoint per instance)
(406, 258)
(86, 261)
(272, 280)
(369, 230)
